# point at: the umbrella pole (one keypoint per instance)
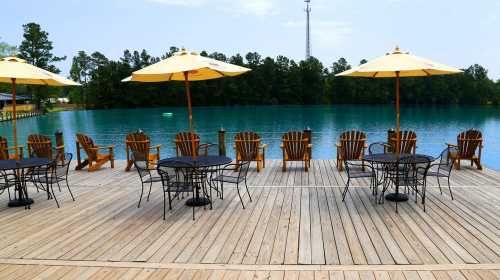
(190, 111)
(14, 117)
(398, 136)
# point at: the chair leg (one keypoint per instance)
(284, 166)
(246, 186)
(169, 200)
(140, 198)
(449, 187)
(241, 199)
(439, 184)
(149, 193)
(344, 193)
(54, 195)
(222, 190)
(70, 192)
(165, 203)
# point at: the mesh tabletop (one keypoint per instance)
(200, 161)
(393, 158)
(24, 163)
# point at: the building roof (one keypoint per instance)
(8, 97)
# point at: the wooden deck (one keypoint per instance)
(296, 227)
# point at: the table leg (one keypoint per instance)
(197, 200)
(22, 197)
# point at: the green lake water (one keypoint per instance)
(435, 126)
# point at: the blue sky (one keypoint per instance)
(458, 33)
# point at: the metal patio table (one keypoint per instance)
(201, 164)
(388, 159)
(18, 168)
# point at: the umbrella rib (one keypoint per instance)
(375, 75)
(426, 73)
(220, 73)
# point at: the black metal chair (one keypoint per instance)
(408, 173)
(52, 174)
(176, 181)
(7, 181)
(355, 169)
(226, 175)
(442, 168)
(144, 169)
(379, 148)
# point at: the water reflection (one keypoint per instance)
(435, 126)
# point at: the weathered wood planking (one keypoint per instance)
(296, 221)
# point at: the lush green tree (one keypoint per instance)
(6, 49)
(36, 48)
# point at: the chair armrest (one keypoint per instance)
(154, 147)
(102, 147)
(451, 145)
(282, 146)
(264, 146)
(309, 145)
(338, 145)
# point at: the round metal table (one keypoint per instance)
(199, 162)
(393, 159)
(18, 168)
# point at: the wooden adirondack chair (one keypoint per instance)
(469, 145)
(184, 145)
(247, 147)
(407, 142)
(4, 150)
(40, 146)
(351, 146)
(138, 142)
(296, 147)
(94, 159)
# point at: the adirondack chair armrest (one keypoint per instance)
(110, 147)
(207, 145)
(338, 145)
(309, 145)
(282, 146)
(263, 146)
(155, 147)
(451, 145)
(13, 148)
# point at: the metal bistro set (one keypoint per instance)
(396, 165)
(197, 170)
(44, 167)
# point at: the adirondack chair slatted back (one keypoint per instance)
(87, 145)
(184, 143)
(468, 142)
(352, 144)
(407, 142)
(247, 145)
(138, 143)
(4, 151)
(295, 145)
(39, 146)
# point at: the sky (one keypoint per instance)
(458, 33)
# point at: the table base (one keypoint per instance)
(197, 201)
(397, 197)
(20, 202)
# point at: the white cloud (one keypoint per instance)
(247, 7)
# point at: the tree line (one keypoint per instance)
(272, 81)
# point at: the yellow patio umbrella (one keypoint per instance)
(14, 71)
(399, 64)
(186, 66)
